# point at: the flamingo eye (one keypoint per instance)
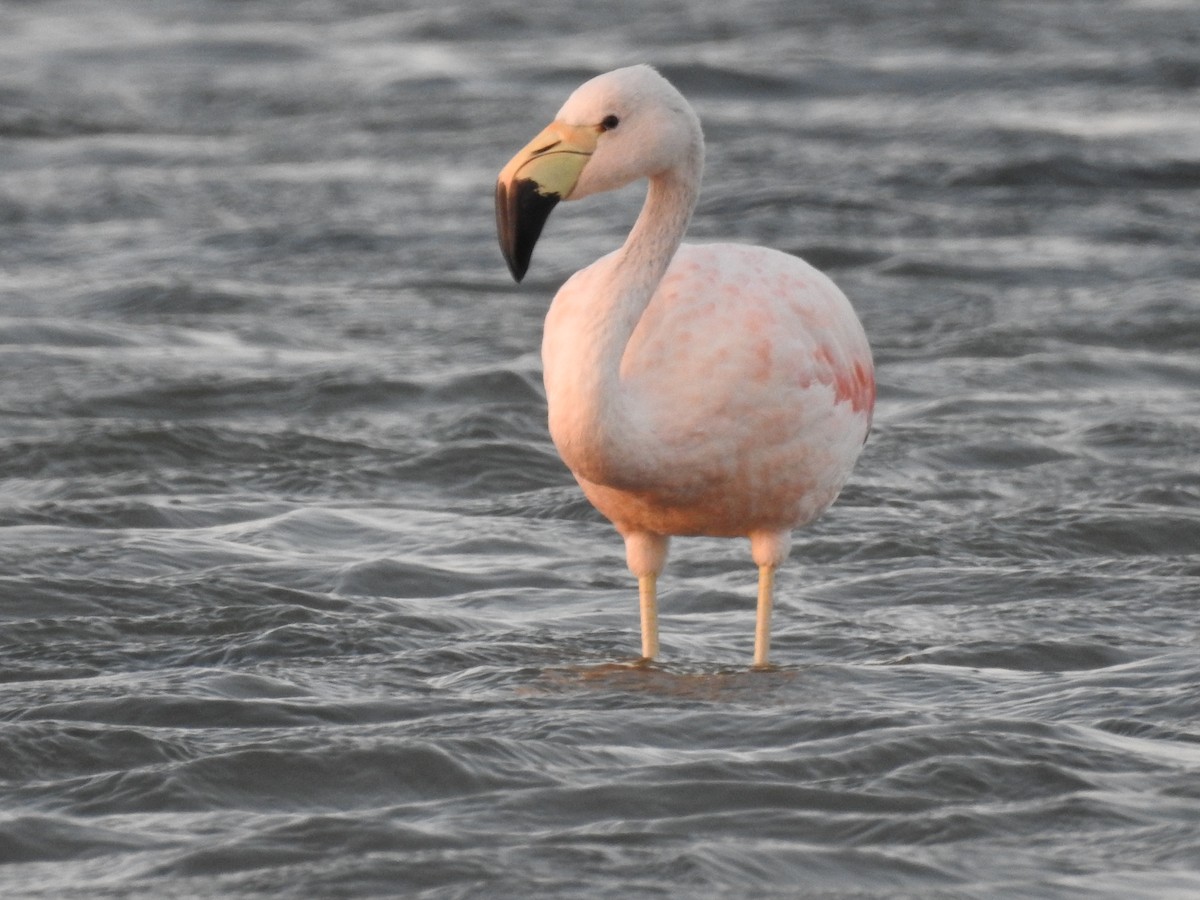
(608, 123)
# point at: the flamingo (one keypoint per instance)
(693, 389)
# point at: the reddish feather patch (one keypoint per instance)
(856, 386)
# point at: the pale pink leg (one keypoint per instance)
(648, 601)
(762, 627)
(769, 549)
(647, 554)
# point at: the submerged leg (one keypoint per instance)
(769, 549)
(762, 627)
(646, 554)
(648, 600)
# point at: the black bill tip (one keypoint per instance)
(521, 211)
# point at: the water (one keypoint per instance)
(297, 599)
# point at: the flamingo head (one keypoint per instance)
(618, 127)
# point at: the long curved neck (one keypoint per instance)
(643, 259)
(604, 427)
(635, 270)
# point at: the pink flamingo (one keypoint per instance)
(694, 389)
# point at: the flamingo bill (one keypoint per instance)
(531, 184)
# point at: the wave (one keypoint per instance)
(1071, 170)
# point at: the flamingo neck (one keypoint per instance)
(643, 259)
(612, 440)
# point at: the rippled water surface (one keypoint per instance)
(296, 598)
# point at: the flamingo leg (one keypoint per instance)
(648, 599)
(762, 628)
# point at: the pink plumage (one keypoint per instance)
(710, 389)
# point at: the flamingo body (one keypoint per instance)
(707, 389)
(755, 377)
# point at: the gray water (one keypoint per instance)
(296, 599)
